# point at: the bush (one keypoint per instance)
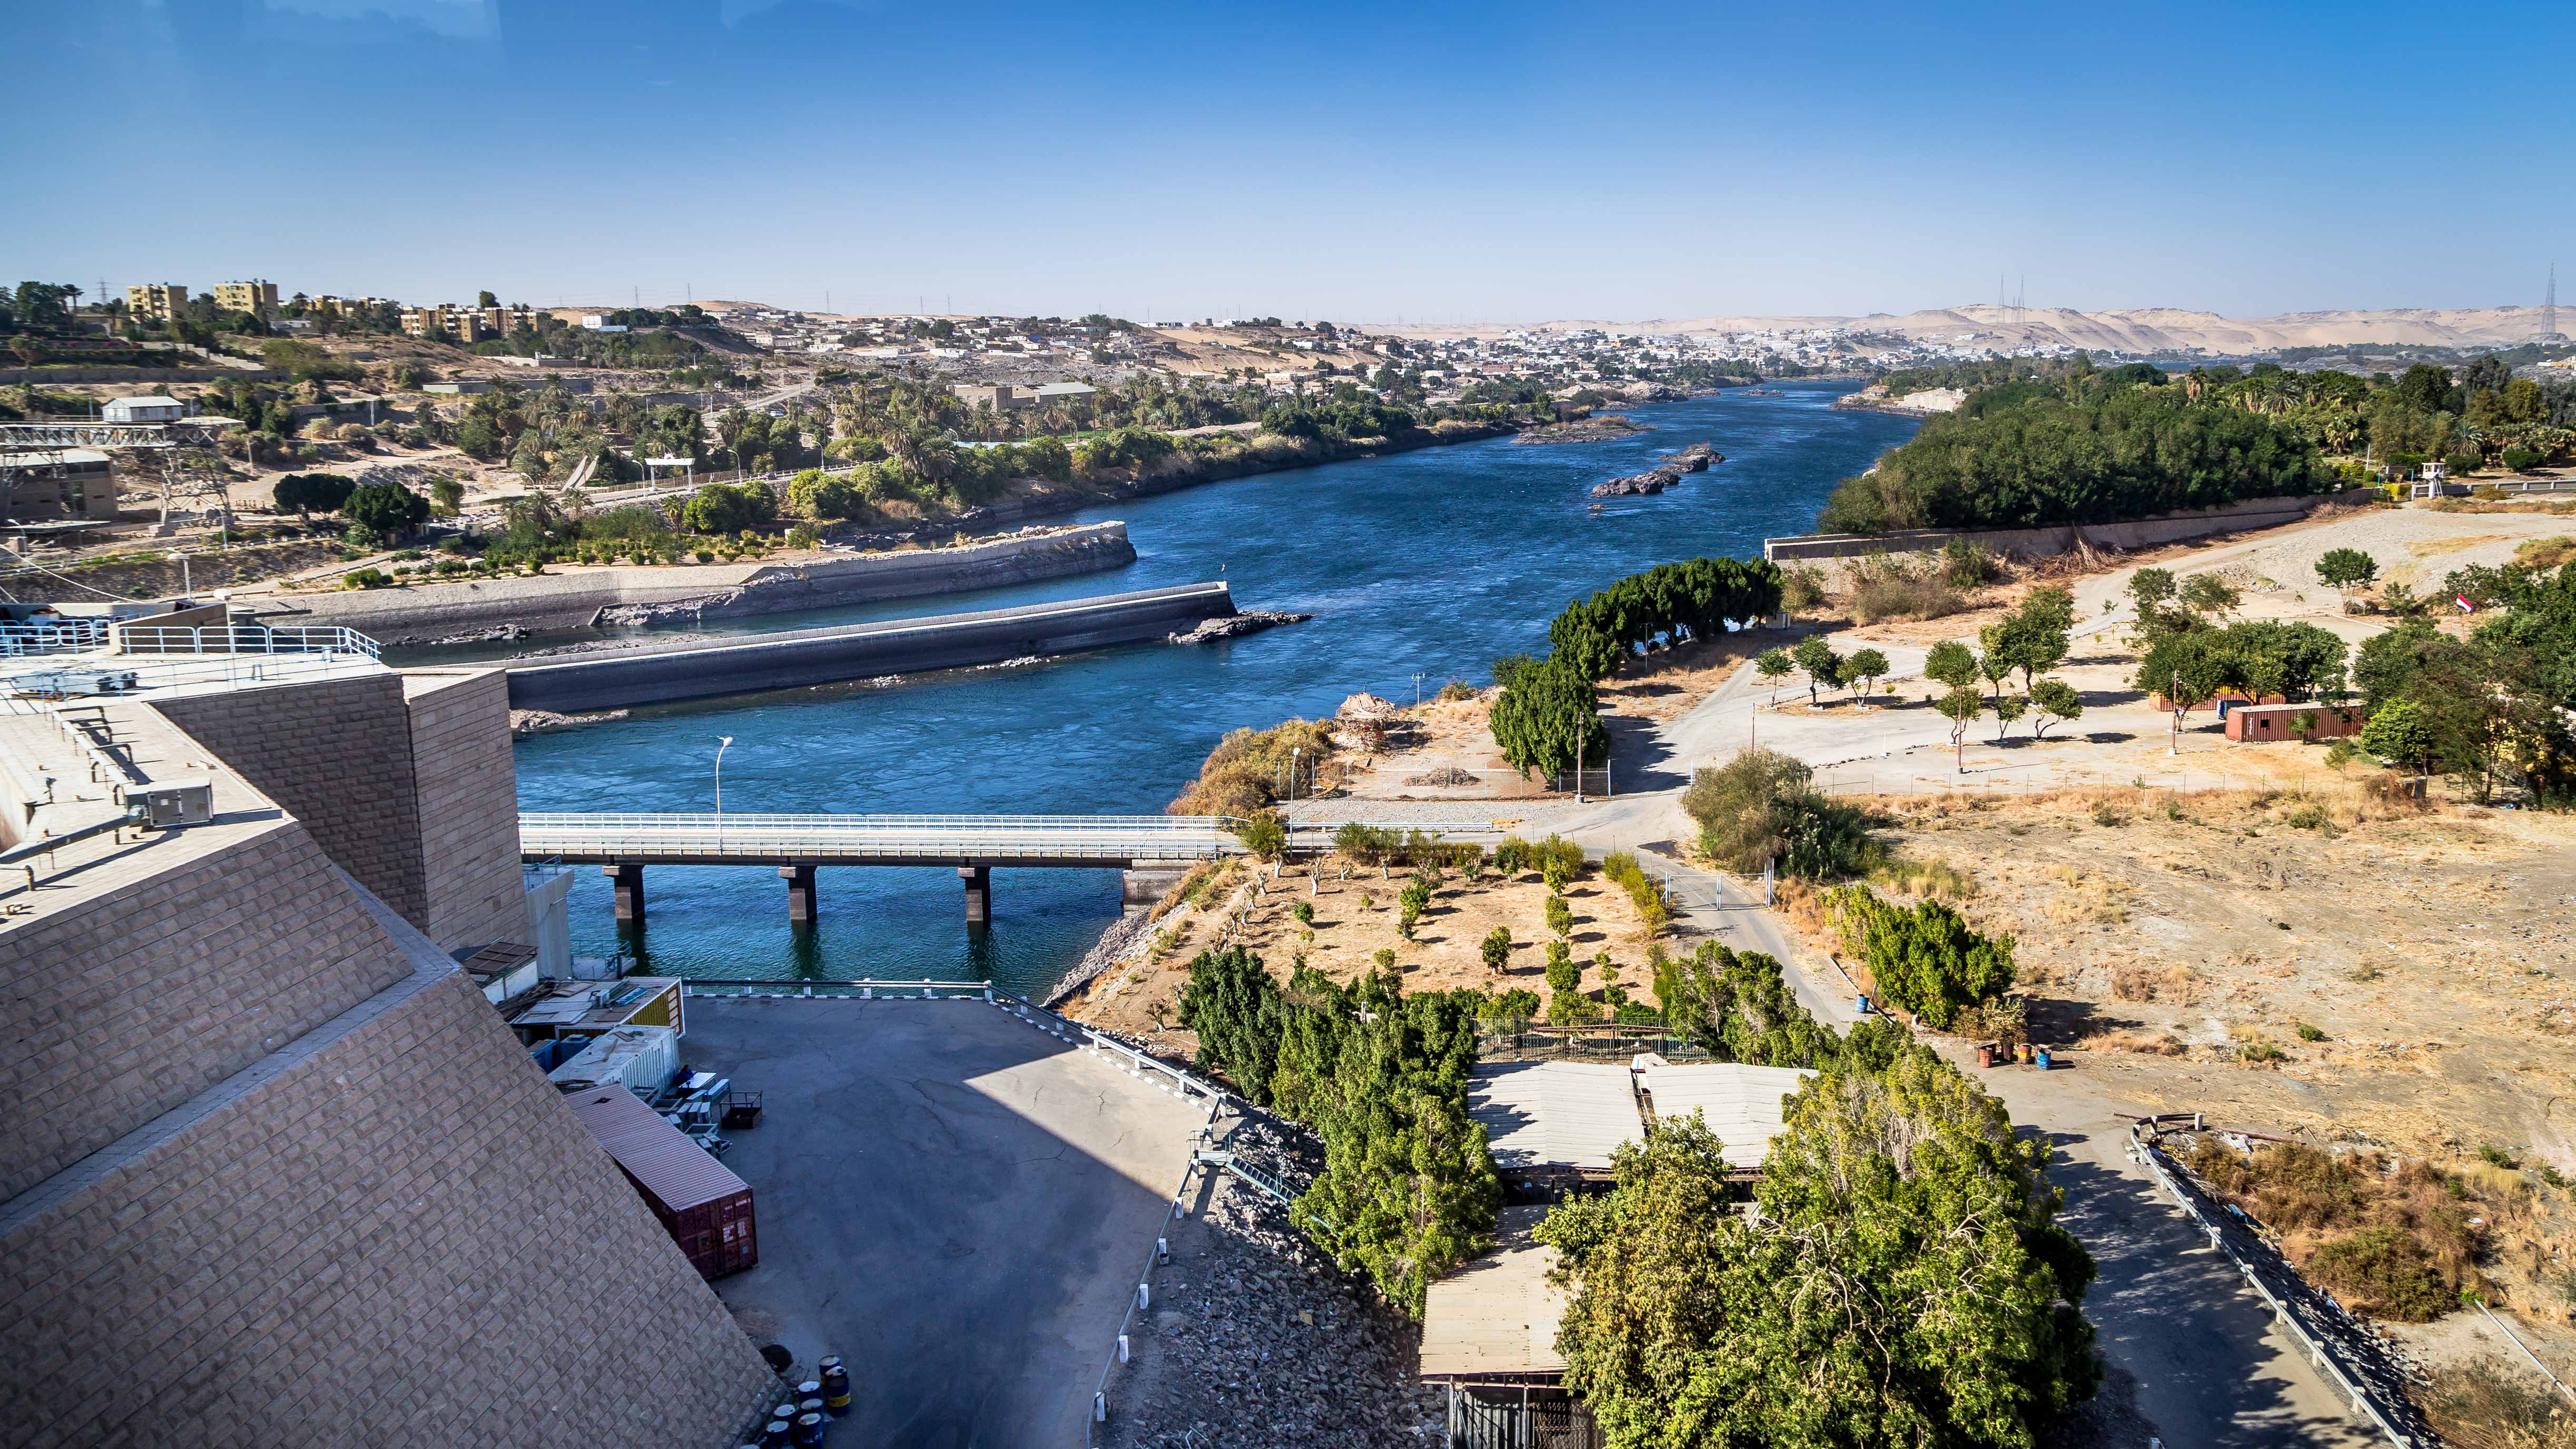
(1264, 834)
(366, 578)
(1654, 908)
(728, 508)
(1927, 959)
(309, 493)
(1902, 586)
(2461, 465)
(383, 509)
(2522, 460)
(1497, 950)
(2385, 1268)
(1757, 809)
(1246, 770)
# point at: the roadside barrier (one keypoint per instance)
(2328, 1358)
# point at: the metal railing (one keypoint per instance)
(823, 838)
(243, 639)
(69, 636)
(2328, 1358)
(862, 989)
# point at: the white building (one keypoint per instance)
(144, 410)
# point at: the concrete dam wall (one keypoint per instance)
(2057, 538)
(420, 613)
(659, 674)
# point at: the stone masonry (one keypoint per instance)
(469, 806)
(132, 1002)
(397, 1235)
(276, 1173)
(336, 755)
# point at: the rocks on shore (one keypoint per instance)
(1666, 474)
(1257, 1341)
(498, 634)
(1250, 621)
(542, 721)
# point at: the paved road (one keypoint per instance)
(955, 1202)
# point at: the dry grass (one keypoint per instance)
(2125, 1039)
(2088, 900)
(2175, 985)
(2545, 553)
(2399, 1240)
(2490, 1405)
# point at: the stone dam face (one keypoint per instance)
(420, 613)
(659, 674)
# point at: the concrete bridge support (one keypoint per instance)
(629, 878)
(1141, 886)
(800, 893)
(979, 893)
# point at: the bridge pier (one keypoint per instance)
(1140, 886)
(800, 893)
(978, 880)
(629, 878)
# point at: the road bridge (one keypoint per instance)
(1149, 850)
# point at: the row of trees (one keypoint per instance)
(1548, 717)
(1408, 1190)
(2489, 709)
(2019, 461)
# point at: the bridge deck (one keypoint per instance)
(1108, 841)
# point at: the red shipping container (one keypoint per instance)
(701, 1203)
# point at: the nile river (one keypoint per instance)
(1432, 562)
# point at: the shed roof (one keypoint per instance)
(1499, 1314)
(672, 1169)
(1740, 1104)
(155, 400)
(1554, 1114)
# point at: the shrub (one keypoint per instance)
(1560, 916)
(2522, 460)
(1927, 959)
(1247, 769)
(1901, 586)
(2310, 1033)
(1264, 834)
(1757, 808)
(2386, 1269)
(1654, 909)
(366, 578)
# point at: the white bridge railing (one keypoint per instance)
(822, 838)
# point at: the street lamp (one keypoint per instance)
(722, 741)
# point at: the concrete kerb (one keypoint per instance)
(2145, 1153)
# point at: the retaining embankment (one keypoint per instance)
(423, 613)
(659, 674)
(2060, 538)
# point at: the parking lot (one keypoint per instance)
(954, 1202)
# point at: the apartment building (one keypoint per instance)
(259, 298)
(156, 301)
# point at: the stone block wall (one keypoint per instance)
(469, 807)
(127, 1004)
(401, 1238)
(335, 754)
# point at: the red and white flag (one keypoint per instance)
(2463, 601)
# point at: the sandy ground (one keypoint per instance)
(1355, 917)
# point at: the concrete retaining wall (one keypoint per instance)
(659, 674)
(2055, 539)
(419, 613)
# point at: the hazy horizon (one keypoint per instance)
(1442, 165)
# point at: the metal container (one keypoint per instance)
(836, 1388)
(705, 1208)
(809, 1431)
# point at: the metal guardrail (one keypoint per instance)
(243, 639)
(874, 838)
(862, 989)
(70, 636)
(2328, 1359)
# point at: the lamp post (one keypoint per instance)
(722, 742)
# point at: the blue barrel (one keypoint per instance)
(836, 1389)
(776, 1435)
(2041, 1060)
(809, 1431)
(1860, 1004)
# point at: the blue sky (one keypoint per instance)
(1350, 161)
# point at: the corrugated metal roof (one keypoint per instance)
(1740, 1104)
(1499, 1314)
(1554, 1114)
(672, 1168)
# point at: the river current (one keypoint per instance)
(1431, 563)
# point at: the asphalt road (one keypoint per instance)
(954, 1202)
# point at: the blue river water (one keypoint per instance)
(1432, 562)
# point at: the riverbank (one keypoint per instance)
(580, 598)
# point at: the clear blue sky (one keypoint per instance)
(1349, 161)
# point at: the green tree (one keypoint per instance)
(2403, 733)
(384, 510)
(1903, 1282)
(1547, 718)
(1863, 669)
(1560, 916)
(2053, 700)
(2341, 568)
(446, 496)
(2210, 594)
(728, 508)
(1818, 661)
(305, 494)
(1497, 950)
(1927, 959)
(1264, 834)
(2008, 709)
(1773, 664)
(2034, 637)
(1961, 706)
(1952, 663)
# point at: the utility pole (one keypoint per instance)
(2173, 744)
(1417, 691)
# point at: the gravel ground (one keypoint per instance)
(1257, 1341)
